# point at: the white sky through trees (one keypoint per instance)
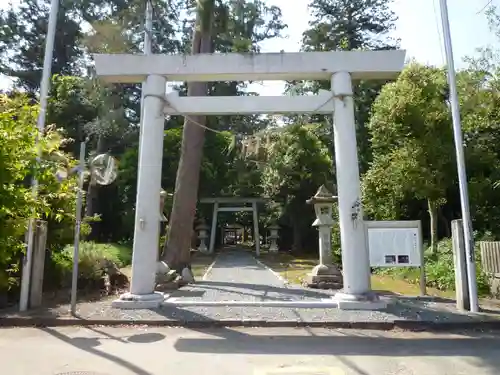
(418, 28)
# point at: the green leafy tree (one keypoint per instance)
(90, 110)
(55, 201)
(479, 97)
(349, 25)
(297, 164)
(22, 42)
(413, 150)
(214, 176)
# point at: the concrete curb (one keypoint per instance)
(209, 269)
(412, 325)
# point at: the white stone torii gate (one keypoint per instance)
(341, 67)
(237, 205)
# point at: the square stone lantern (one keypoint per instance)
(325, 275)
(202, 230)
(273, 247)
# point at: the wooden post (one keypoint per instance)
(37, 270)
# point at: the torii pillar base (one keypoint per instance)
(365, 301)
(139, 301)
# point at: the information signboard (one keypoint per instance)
(393, 247)
(396, 244)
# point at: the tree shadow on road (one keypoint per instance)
(91, 344)
(346, 344)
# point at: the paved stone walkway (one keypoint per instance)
(237, 276)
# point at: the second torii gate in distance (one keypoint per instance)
(236, 205)
(339, 67)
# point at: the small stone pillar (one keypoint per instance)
(202, 229)
(273, 247)
(325, 275)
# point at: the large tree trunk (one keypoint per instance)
(433, 215)
(176, 252)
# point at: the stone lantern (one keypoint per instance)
(325, 275)
(202, 230)
(273, 247)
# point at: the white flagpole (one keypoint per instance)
(462, 176)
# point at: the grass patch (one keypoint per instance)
(382, 283)
(292, 268)
(295, 269)
(92, 252)
(200, 263)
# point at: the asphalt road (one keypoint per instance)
(144, 351)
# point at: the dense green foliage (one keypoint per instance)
(405, 142)
(297, 164)
(90, 260)
(56, 200)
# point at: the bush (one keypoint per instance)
(56, 199)
(91, 256)
(439, 269)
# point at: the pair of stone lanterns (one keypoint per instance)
(325, 275)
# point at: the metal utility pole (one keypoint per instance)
(78, 224)
(459, 148)
(148, 31)
(44, 91)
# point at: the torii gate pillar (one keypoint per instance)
(355, 255)
(146, 230)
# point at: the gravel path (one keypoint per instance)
(238, 276)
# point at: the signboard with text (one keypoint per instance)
(394, 243)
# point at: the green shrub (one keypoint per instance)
(90, 259)
(56, 199)
(439, 269)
